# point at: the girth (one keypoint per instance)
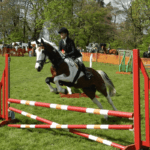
(75, 78)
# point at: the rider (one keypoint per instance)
(68, 46)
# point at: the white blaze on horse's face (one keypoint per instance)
(40, 56)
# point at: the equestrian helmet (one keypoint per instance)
(63, 30)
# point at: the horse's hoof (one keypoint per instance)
(66, 92)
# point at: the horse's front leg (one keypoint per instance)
(49, 80)
(69, 90)
(56, 81)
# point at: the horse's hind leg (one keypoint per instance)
(109, 99)
(90, 92)
(102, 89)
(110, 102)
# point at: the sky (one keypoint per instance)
(107, 1)
(119, 18)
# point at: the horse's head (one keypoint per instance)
(41, 55)
(44, 50)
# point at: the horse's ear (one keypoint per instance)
(42, 41)
(37, 42)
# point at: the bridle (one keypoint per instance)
(42, 62)
(52, 58)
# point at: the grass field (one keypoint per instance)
(28, 84)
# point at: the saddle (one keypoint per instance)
(78, 63)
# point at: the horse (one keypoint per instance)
(104, 49)
(69, 73)
(110, 51)
(113, 51)
(15, 43)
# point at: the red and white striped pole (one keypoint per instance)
(98, 139)
(31, 116)
(88, 136)
(74, 108)
(116, 127)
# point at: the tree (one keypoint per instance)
(94, 22)
(134, 21)
(8, 17)
(85, 20)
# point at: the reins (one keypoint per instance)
(47, 62)
(56, 65)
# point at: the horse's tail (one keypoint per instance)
(108, 83)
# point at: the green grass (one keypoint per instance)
(26, 83)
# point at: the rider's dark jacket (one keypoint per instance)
(69, 48)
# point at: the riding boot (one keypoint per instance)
(87, 74)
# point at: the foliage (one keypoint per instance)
(94, 24)
(141, 13)
(145, 43)
(15, 36)
(86, 22)
(8, 18)
(22, 15)
(37, 14)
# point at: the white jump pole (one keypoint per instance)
(91, 57)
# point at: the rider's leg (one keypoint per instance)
(87, 74)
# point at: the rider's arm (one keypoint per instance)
(73, 49)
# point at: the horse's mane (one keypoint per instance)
(50, 43)
(53, 45)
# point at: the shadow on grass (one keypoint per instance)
(65, 133)
(117, 94)
(116, 120)
(110, 138)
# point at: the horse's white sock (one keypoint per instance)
(69, 90)
(99, 105)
